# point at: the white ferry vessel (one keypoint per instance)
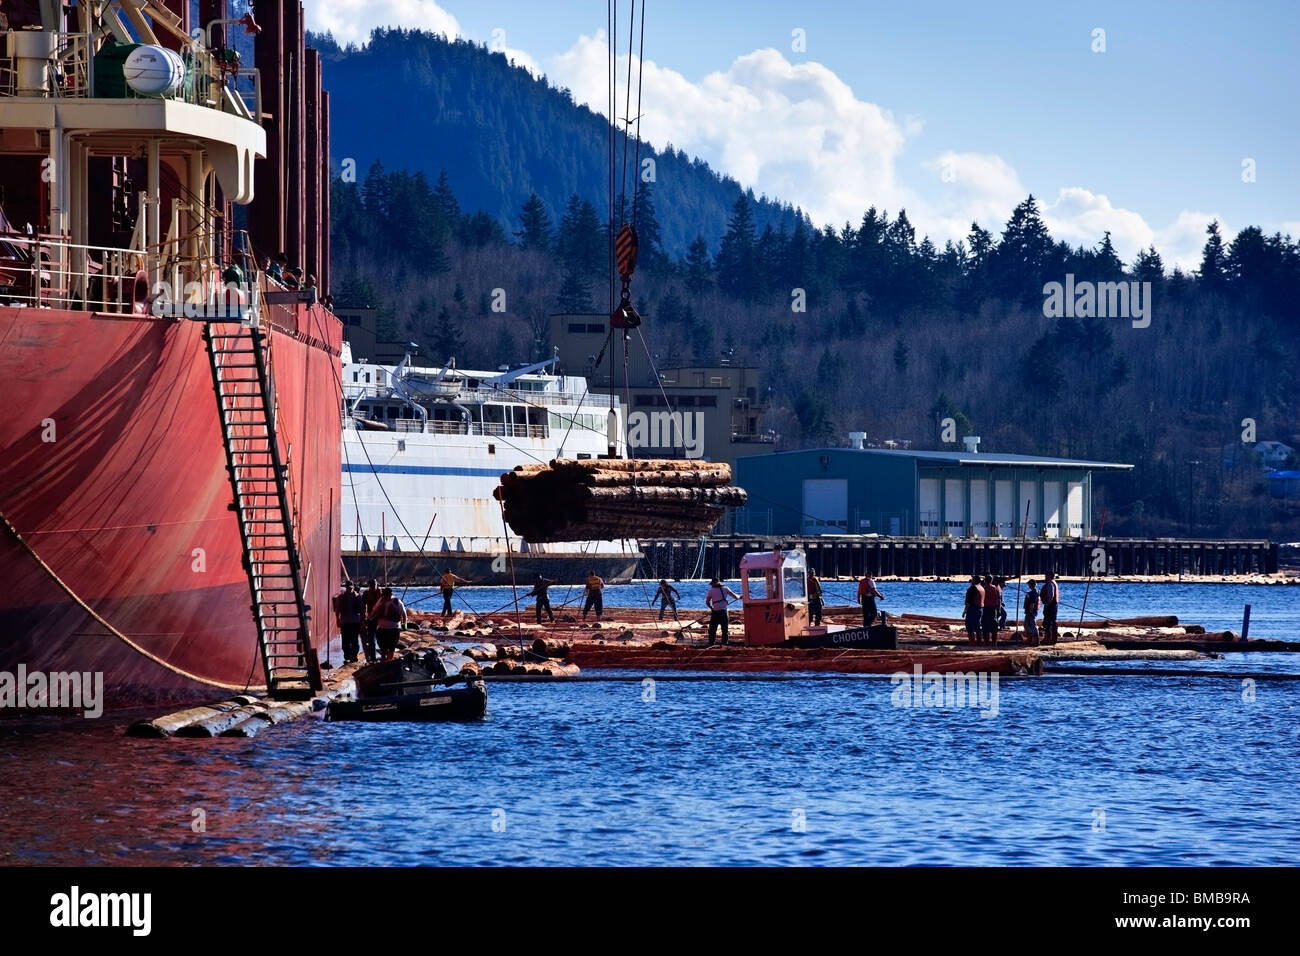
(423, 450)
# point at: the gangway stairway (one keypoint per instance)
(239, 356)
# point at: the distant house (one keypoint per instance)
(1284, 485)
(1266, 455)
(1273, 454)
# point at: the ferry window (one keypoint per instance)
(492, 449)
(598, 328)
(354, 376)
(577, 327)
(707, 401)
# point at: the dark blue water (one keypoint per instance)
(1071, 770)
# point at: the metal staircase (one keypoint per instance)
(240, 359)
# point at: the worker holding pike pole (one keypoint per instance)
(716, 599)
(448, 583)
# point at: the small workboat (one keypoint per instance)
(879, 637)
(414, 687)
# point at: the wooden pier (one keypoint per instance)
(852, 556)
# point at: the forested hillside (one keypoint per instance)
(417, 101)
(895, 333)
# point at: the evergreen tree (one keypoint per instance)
(1108, 266)
(374, 192)
(446, 200)
(447, 341)
(698, 267)
(737, 263)
(1025, 255)
(581, 240)
(480, 230)
(1148, 266)
(1214, 260)
(575, 292)
(649, 240)
(900, 357)
(534, 225)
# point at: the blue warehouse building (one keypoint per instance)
(895, 492)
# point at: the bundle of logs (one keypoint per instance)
(605, 499)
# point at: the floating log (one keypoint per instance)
(1168, 620)
(248, 727)
(213, 726)
(780, 659)
(169, 724)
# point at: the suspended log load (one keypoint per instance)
(613, 498)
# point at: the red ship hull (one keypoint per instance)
(118, 551)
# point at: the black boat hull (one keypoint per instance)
(877, 637)
(467, 702)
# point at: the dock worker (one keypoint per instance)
(815, 603)
(369, 599)
(390, 618)
(974, 611)
(992, 600)
(1051, 595)
(349, 609)
(868, 595)
(541, 591)
(716, 599)
(1031, 613)
(668, 596)
(448, 583)
(594, 596)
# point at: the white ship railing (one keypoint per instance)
(406, 426)
(485, 396)
(65, 72)
(48, 272)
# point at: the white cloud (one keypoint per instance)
(790, 130)
(352, 20)
(1182, 241)
(1081, 217)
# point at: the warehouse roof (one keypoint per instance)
(968, 458)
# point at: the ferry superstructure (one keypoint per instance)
(424, 448)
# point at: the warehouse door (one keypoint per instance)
(979, 507)
(928, 512)
(1006, 510)
(825, 506)
(1052, 508)
(1028, 506)
(1074, 509)
(954, 506)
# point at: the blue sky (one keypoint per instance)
(953, 110)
